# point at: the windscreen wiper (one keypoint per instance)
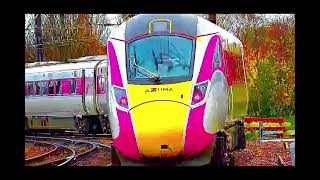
(147, 73)
(155, 60)
(143, 70)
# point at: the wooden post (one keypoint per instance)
(260, 131)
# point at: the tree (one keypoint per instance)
(269, 54)
(68, 36)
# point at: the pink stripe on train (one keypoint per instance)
(126, 141)
(197, 139)
(65, 87)
(114, 66)
(206, 69)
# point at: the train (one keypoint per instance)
(178, 91)
(175, 92)
(67, 96)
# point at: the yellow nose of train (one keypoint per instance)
(159, 115)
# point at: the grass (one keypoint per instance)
(251, 135)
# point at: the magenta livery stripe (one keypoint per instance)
(184, 35)
(196, 137)
(118, 39)
(207, 66)
(126, 141)
(114, 66)
(206, 34)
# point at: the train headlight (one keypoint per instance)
(199, 92)
(121, 97)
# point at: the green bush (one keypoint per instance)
(291, 119)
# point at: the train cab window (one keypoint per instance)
(37, 86)
(58, 87)
(217, 56)
(44, 87)
(30, 89)
(51, 88)
(72, 86)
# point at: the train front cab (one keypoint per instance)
(164, 83)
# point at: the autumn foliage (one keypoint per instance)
(269, 53)
(67, 37)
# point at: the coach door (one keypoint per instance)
(101, 88)
(88, 94)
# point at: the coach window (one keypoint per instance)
(30, 88)
(37, 84)
(103, 85)
(44, 87)
(51, 88)
(217, 56)
(58, 87)
(72, 86)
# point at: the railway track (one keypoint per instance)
(69, 134)
(85, 153)
(281, 161)
(40, 144)
(59, 156)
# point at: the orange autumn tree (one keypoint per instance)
(67, 36)
(269, 54)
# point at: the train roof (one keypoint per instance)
(207, 27)
(51, 66)
(183, 23)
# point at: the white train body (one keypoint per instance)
(67, 90)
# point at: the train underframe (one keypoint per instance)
(92, 124)
(217, 154)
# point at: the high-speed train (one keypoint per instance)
(177, 91)
(69, 96)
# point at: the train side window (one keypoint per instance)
(103, 85)
(44, 87)
(51, 88)
(105, 80)
(30, 89)
(25, 90)
(217, 56)
(72, 86)
(58, 87)
(37, 86)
